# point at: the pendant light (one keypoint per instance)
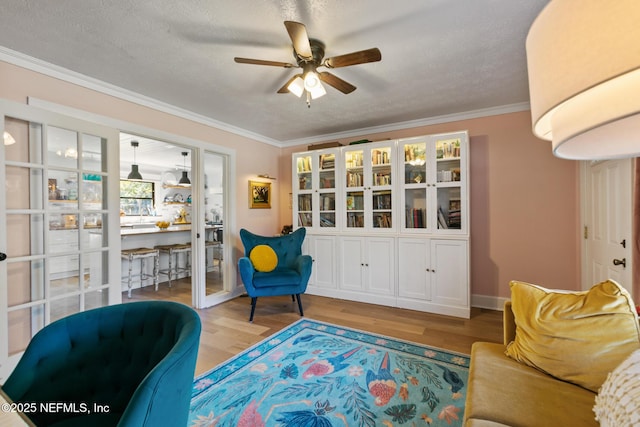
(185, 179)
(134, 174)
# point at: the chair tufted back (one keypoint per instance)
(288, 247)
(127, 356)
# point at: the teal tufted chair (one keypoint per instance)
(291, 275)
(136, 359)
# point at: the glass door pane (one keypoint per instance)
(25, 232)
(327, 189)
(448, 186)
(354, 200)
(214, 187)
(415, 185)
(304, 168)
(381, 195)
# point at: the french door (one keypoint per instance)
(59, 245)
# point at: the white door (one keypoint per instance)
(60, 243)
(607, 222)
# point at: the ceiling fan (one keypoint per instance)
(309, 56)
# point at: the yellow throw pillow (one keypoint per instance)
(263, 258)
(577, 337)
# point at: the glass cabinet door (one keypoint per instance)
(414, 184)
(315, 189)
(381, 181)
(304, 168)
(434, 183)
(448, 183)
(327, 189)
(354, 183)
(368, 186)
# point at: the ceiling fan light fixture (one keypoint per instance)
(311, 80)
(296, 87)
(317, 91)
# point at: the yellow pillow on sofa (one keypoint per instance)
(263, 258)
(577, 337)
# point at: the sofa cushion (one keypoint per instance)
(502, 391)
(575, 336)
(618, 402)
(263, 258)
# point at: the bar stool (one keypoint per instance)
(171, 251)
(142, 254)
(216, 247)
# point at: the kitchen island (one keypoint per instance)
(149, 236)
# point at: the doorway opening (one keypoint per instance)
(157, 211)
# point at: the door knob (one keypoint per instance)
(3, 256)
(622, 262)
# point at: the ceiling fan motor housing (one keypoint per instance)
(317, 51)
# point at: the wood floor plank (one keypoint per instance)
(226, 330)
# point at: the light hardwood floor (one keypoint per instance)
(226, 330)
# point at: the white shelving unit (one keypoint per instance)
(399, 233)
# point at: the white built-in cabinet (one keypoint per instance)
(388, 222)
(322, 249)
(367, 268)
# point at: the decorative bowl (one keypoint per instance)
(163, 225)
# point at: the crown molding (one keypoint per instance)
(19, 59)
(447, 118)
(64, 74)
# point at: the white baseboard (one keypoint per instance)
(488, 302)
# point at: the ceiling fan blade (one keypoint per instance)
(360, 57)
(300, 39)
(263, 62)
(285, 88)
(336, 82)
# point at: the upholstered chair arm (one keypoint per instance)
(303, 266)
(246, 271)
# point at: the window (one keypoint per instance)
(136, 197)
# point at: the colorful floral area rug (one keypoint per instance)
(317, 374)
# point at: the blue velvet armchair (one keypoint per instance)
(135, 361)
(291, 274)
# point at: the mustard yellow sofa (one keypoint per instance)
(568, 359)
(504, 392)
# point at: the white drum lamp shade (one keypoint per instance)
(583, 58)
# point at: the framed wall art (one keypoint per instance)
(259, 195)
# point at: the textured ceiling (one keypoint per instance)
(439, 57)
